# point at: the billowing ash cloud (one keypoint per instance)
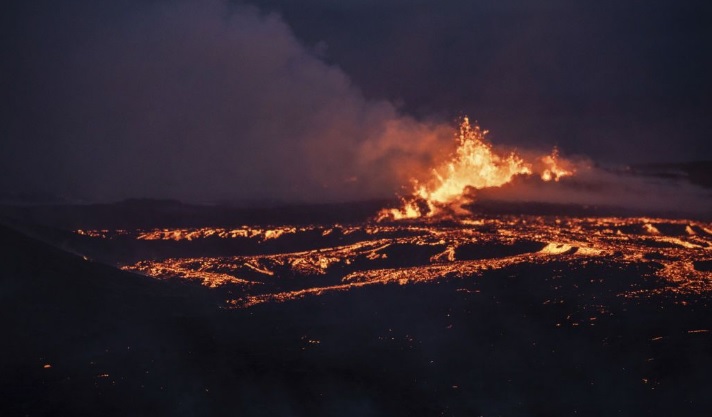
(208, 101)
(205, 101)
(595, 186)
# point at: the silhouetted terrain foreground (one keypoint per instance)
(386, 320)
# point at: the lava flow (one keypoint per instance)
(627, 256)
(475, 165)
(639, 257)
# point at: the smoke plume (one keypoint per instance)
(209, 101)
(206, 101)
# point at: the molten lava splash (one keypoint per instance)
(553, 167)
(475, 165)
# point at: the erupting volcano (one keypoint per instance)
(272, 208)
(475, 165)
(427, 311)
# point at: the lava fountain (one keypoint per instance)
(475, 165)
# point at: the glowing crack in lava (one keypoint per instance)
(634, 257)
(474, 166)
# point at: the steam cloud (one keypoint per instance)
(597, 186)
(207, 101)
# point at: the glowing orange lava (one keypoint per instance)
(474, 166)
(667, 257)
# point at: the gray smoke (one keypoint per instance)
(204, 101)
(599, 187)
(207, 101)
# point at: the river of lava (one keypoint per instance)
(281, 263)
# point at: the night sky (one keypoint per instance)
(322, 100)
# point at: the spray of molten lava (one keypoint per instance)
(474, 166)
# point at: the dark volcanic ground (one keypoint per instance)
(513, 327)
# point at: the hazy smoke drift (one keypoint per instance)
(207, 100)
(204, 101)
(600, 187)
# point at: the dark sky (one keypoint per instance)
(321, 100)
